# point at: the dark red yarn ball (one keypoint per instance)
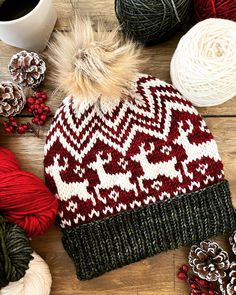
(24, 198)
(204, 9)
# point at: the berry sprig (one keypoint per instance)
(197, 286)
(12, 126)
(36, 105)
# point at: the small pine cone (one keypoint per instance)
(232, 241)
(12, 99)
(27, 69)
(223, 285)
(231, 286)
(209, 261)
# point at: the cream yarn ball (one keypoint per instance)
(203, 67)
(37, 280)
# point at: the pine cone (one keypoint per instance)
(231, 286)
(12, 99)
(27, 69)
(232, 241)
(209, 261)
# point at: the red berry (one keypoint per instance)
(193, 286)
(14, 124)
(30, 110)
(185, 268)
(181, 275)
(42, 105)
(210, 292)
(47, 109)
(38, 94)
(30, 100)
(43, 117)
(202, 282)
(204, 293)
(11, 119)
(20, 130)
(36, 106)
(5, 124)
(9, 129)
(39, 101)
(39, 110)
(44, 96)
(41, 122)
(35, 120)
(25, 126)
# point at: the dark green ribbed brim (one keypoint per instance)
(119, 240)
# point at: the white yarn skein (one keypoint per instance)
(203, 67)
(37, 280)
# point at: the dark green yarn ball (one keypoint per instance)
(150, 21)
(15, 253)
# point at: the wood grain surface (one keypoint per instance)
(153, 276)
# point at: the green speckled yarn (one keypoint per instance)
(150, 21)
(15, 253)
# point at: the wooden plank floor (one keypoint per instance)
(156, 275)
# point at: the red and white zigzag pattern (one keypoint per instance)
(148, 148)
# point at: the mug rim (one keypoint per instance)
(22, 17)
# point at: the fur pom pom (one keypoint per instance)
(90, 65)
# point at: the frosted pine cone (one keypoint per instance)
(12, 99)
(209, 261)
(27, 69)
(232, 241)
(231, 286)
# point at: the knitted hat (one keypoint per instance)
(135, 174)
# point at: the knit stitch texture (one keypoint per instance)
(134, 177)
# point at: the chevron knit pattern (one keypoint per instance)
(135, 177)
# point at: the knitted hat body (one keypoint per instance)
(134, 177)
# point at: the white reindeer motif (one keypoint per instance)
(195, 151)
(153, 170)
(67, 190)
(108, 180)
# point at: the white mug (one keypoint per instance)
(31, 31)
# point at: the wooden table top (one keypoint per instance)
(156, 275)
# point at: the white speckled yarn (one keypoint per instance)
(203, 67)
(37, 280)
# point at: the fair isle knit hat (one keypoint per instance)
(134, 166)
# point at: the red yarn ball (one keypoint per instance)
(204, 9)
(8, 161)
(24, 198)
